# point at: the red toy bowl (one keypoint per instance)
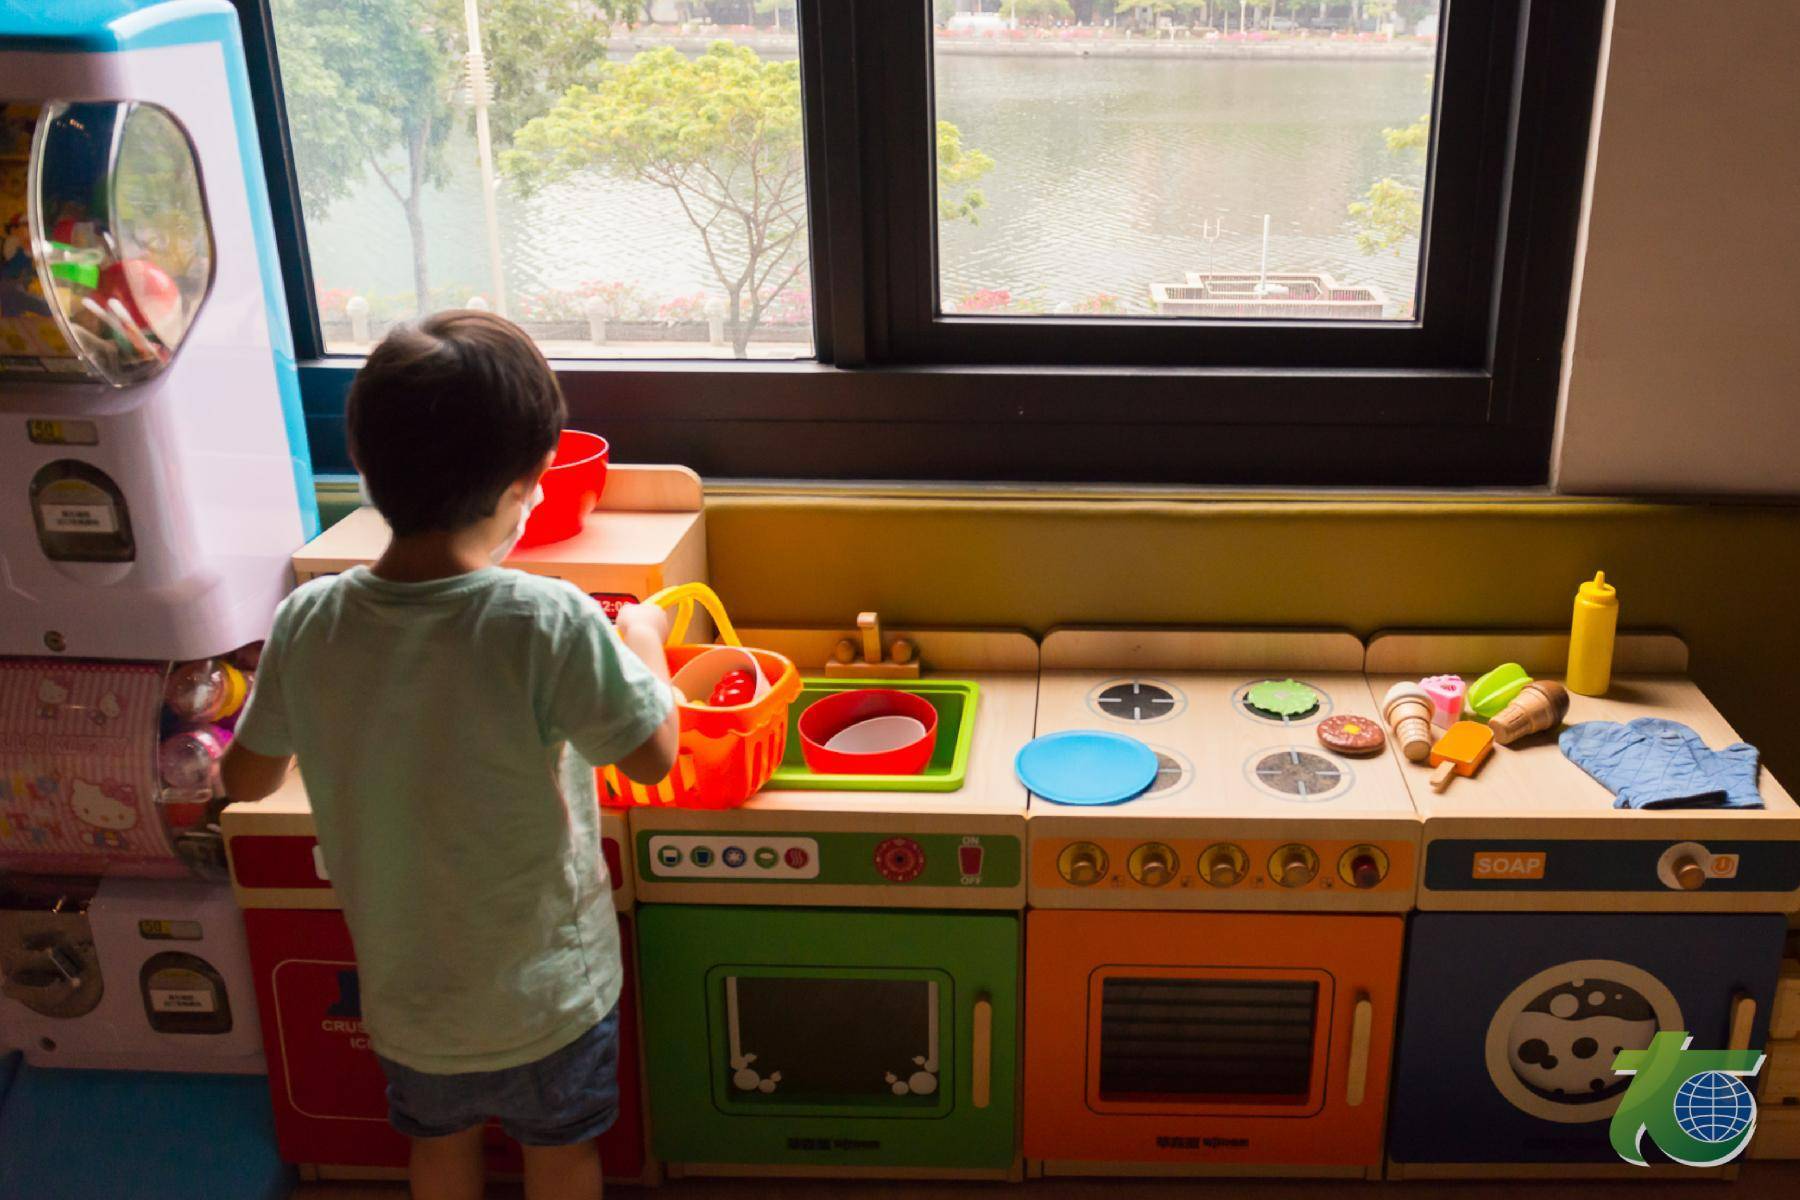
(825, 719)
(572, 488)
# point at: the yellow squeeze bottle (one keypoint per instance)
(1591, 637)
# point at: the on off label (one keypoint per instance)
(1509, 864)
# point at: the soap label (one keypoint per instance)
(1509, 864)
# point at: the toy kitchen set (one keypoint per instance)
(831, 969)
(1213, 965)
(620, 534)
(149, 422)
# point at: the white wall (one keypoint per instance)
(1683, 365)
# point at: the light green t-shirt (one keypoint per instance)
(445, 733)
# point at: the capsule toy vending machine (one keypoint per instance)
(157, 481)
(646, 530)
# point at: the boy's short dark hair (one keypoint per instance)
(447, 413)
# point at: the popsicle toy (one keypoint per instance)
(1539, 706)
(1447, 693)
(1461, 751)
(1497, 689)
(1407, 710)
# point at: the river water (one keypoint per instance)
(1108, 175)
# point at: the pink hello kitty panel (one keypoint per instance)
(78, 782)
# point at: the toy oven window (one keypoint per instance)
(1231, 1042)
(824, 1042)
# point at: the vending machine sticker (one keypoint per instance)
(78, 766)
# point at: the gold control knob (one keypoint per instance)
(1293, 865)
(1222, 864)
(1153, 864)
(1082, 863)
(1363, 866)
(1690, 874)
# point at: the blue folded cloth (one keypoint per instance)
(1655, 763)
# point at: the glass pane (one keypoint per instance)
(1231, 159)
(624, 179)
(824, 1040)
(120, 223)
(1214, 1040)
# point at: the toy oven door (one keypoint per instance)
(832, 1041)
(1213, 1041)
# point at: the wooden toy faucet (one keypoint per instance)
(900, 661)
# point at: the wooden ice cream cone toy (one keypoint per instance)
(1407, 711)
(1540, 706)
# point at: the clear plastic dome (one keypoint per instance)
(120, 232)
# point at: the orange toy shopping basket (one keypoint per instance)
(726, 753)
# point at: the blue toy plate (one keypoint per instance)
(1086, 767)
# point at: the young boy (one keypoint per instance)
(447, 716)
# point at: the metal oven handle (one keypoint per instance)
(981, 1085)
(1362, 1023)
(1743, 1016)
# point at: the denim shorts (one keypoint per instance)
(568, 1096)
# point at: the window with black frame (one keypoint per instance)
(1197, 241)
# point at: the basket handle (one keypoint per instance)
(682, 596)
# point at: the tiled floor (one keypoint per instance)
(1759, 1181)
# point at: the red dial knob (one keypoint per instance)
(899, 860)
(1363, 866)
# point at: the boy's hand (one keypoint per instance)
(652, 619)
(644, 628)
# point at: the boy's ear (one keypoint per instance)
(536, 474)
(525, 484)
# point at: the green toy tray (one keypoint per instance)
(954, 700)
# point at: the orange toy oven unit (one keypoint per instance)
(1194, 1043)
(1212, 966)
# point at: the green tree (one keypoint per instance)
(1037, 12)
(372, 88)
(1394, 209)
(958, 170)
(782, 9)
(1140, 9)
(722, 132)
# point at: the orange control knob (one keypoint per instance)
(1152, 864)
(1222, 865)
(1363, 866)
(1293, 865)
(1082, 863)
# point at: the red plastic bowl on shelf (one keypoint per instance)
(572, 488)
(825, 719)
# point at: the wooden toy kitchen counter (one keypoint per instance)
(1558, 928)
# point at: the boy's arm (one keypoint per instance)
(643, 627)
(249, 776)
(261, 751)
(609, 695)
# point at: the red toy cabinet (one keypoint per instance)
(328, 1090)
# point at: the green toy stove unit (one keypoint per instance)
(830, 973)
